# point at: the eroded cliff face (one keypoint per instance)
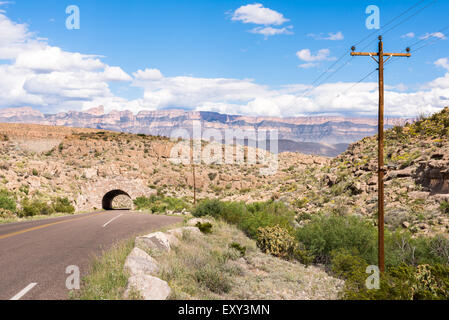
(327, 136)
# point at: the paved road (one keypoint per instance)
(34, 255)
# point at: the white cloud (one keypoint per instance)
(438, 35)
(443, 62)
(270, 31)
(54, 59)
(48, 77)
(53, 80)
(148, 74)
(115, 74)
(321, 55)
(308, 65)
(409, 35)
(256, 13)
(333, 36)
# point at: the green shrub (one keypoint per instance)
(7, 202)
(444, 207)
(403, 282)
(160, 204)
(346, 265)
(208, 207)
(275, 241)
(35, 207)
(205, 228)
(213, 279)
(248, 217)
(143, 202)
(301, 254)
(63, 205)
(401, 248)
(241, 249)
(266, 214)
(396, 284)
(325, 234)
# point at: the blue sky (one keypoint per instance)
(194, 43)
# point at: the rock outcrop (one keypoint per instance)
(143, 268)
(139, 262)
(327, 136)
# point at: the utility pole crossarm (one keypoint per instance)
(398, 54)
(375, 54)
(364, 54)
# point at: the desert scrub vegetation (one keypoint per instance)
(435, 126)
(248, 217)
(444, 207)
(344, 244)
(7, 201)
(161, 204)
(347, 245)
(31, 207)
(35, 206)
(226, 264)
(107, 279)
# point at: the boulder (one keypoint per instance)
(404, 173)
(179, 231)
(156, 241)
(194, 221)
(418, 194)
(330, 179)
(149, 287)
(139, 262)
(372, 181)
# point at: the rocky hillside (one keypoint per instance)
(328, 136)
(46, 162)
(416, 183)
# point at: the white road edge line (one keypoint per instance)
(104, 226)
(24, 291)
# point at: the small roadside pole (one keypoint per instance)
(381, 169)
(193, 171)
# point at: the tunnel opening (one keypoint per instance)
(117, 200)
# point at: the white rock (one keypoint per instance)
(149, 287)
(194, 221)
(179, 231)
(90, 173)
(156, 241)
(139, 262)
(173, 240)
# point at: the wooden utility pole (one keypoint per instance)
(193, 171)
(381, 169)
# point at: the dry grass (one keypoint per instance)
(207, 268)
(107, 280)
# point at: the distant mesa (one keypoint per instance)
(320, 135)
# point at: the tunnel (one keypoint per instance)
(109, 197)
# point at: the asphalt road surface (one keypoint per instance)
(34, 255)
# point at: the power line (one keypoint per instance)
(428, 37)
(409, 17)
(390, 22)
(428, 43)
(358, 82)
(362, 40)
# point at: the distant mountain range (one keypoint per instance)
(321, 135)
